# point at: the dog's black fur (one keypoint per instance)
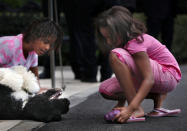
(39, 107)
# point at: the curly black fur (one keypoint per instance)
(39, 107)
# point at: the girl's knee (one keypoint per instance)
(121, 54)
(113, 58)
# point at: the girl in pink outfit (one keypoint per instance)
(23, 49)
(143, 67)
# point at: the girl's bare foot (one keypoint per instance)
(152, 113)
(158, 101)
(42, 90)
(138, 113)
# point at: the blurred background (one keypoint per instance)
(15, 15)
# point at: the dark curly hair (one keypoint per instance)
(45, 30)
(119, 22)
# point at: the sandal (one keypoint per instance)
(160, 112)
(110, 116)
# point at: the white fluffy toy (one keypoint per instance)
(20, 81)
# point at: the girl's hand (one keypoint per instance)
(124, 114)
(42, 90)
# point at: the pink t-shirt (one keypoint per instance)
(156, 51)
(11, 53)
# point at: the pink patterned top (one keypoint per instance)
(156, 51)
(11, 53)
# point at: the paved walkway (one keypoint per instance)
(89, 115)
(92, 116)
(75, 90)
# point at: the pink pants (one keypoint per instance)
(164, 80)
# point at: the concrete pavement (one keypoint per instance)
(88, 108)
(89, 115)
(75, 91)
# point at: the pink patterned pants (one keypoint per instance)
(164, 80)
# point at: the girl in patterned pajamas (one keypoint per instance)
(143, 67)
(23, 49)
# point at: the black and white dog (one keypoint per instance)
(19, 98)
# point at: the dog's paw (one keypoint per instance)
(19, 69)
(20, 95)
(30, 82)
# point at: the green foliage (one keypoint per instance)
(14, 23)
(181, 6)
(179, 46)
(17, 3)
(140, 16)
(14, 3)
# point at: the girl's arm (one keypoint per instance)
(143, 65)
(124, 77)
(35, 71)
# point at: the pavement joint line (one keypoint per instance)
(5, 125)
